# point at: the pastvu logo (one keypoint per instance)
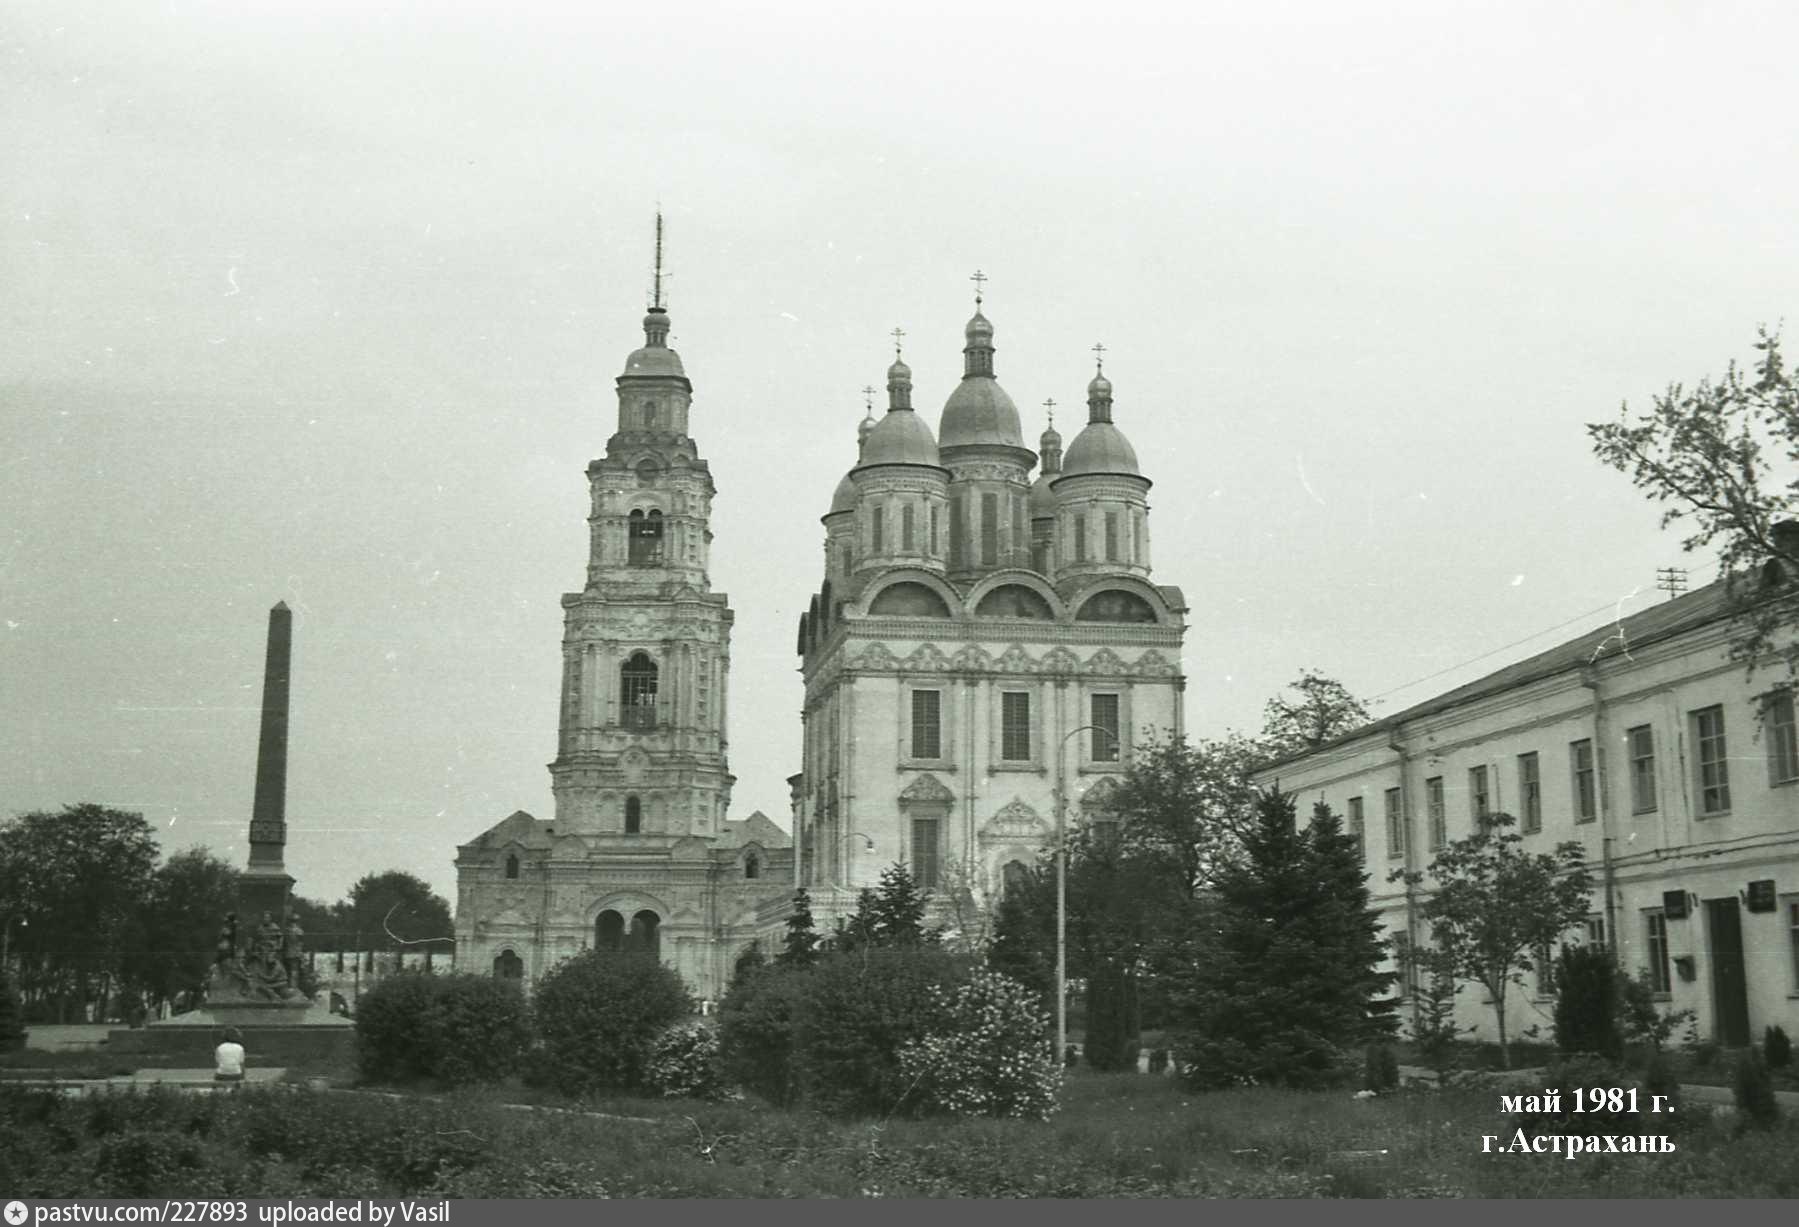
(16, 1213)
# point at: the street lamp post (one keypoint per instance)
(1062, 883)
(868, 845)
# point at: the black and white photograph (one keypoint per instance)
(895, 602)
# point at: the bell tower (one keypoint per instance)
(646, 642)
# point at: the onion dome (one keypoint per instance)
(655, 358)
(899, 385)
(1043, 500)
(863, 430)
(1100, 447)
(845, 497)
(902, 437)
(979, 411)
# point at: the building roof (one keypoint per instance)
(1100, 448)
(902, 437)
(979, 411)
(1662, 621)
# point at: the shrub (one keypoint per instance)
(1380, 1071)
(12, 1019)
(988, 1052)
(1586, 1003)
(599, 1014)
(456, 1029)
(858, 1011)
(1641, 1018)
(146, 1163)
(1753, 1086)
(1777, 1048)
(1659, 1078)
(685, 1063)
(755, 1032)
(1434, 1031)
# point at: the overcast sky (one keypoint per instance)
(317, 304)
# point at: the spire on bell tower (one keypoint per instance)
(655, 321)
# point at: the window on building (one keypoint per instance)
(633, 816)
(1783, 744)
(1544, 958)
(1405, 965)
(1021, 525)
(1596, 932)
(927, 724)
(876, 529)
(906, 529)
(1111, 536)
(644, 538)
(989, 530)
(1358, 826)
(752, 867)
(512, 867)
(1530, 793)
(637, 692)
(958, 533)
(926, 858)
(935, 545)
(1641, 743)
(1586, 797)
(1137, 541)
(1793, 938)
(1655, 941)
(1477, 794)
(1395, 824)
(1104, 736)
(1015, 727)
(1016, 877)
(1713, 766)
(1040, 557)
(1080, 538)
(1433, 804)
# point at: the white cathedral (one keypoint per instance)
(980, 639)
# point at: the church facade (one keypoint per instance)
(986, 643)
(640, 852)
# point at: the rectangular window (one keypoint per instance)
(1544, 958)
(936, 542)
(1104, 736)
(906, 528)
(1477, 793)
(1586, 798)
(1405, 965)
(874, 530)
(1714, 767)
(1021, 526)
(1015, 727)
(1395, 825)
(1111, 536)
(1783, 747)
(1596, 932)
(1137, 542)
(927, 724)
(1358, 826)
(1793, 938)
(1433, 802)
(1641, 742)
(989, 530)
(926, 859)
(1530, 794)
(958, 532)
(1080, 538)
(1655, 937)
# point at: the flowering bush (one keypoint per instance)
(988, 1052)
(686, 1063)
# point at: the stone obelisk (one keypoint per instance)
(265, 884)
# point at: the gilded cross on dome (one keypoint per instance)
(898, 334)
(1099, 355)
(1050, 405)
(980, 283)
(868, 397)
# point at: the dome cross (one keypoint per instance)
(1099, 355)
(1050, 405)
(898, 335)
(980, 283)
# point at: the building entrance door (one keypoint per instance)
(1730, 989)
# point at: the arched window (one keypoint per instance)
(649, 418)
(609, 931)
(1115, 605)
(633, 816)
(752, 868)
(1014, 601)
(645, 936)
(637, 692)
(511, 867)
(1015, 876)
(645, 533)
(508, 966)
(909, 600)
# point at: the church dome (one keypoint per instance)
(1043, 499)
(902, 437)
(655, 358)
(845, 497)
(979, 411)
(1100, 448)
(898, 371)
(979, 330)
(1100, 386)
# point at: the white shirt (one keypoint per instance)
(230, 1058)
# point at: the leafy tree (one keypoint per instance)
(799, 948)
(395, 909)
(600, 1012)
(172, 951)
(1492, 905)
(1185, 804)
(748, 962)
(1024, 932)
(1290, 983)
(12, 1018)
(1587, 1003)
(75, 881)
(1709, 455)
(329, 927)
(1313, 710)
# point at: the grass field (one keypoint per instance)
(1116, 1136)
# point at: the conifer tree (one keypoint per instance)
(800, 947)
(892, 915)
(1024, 934)
(12, 1028)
